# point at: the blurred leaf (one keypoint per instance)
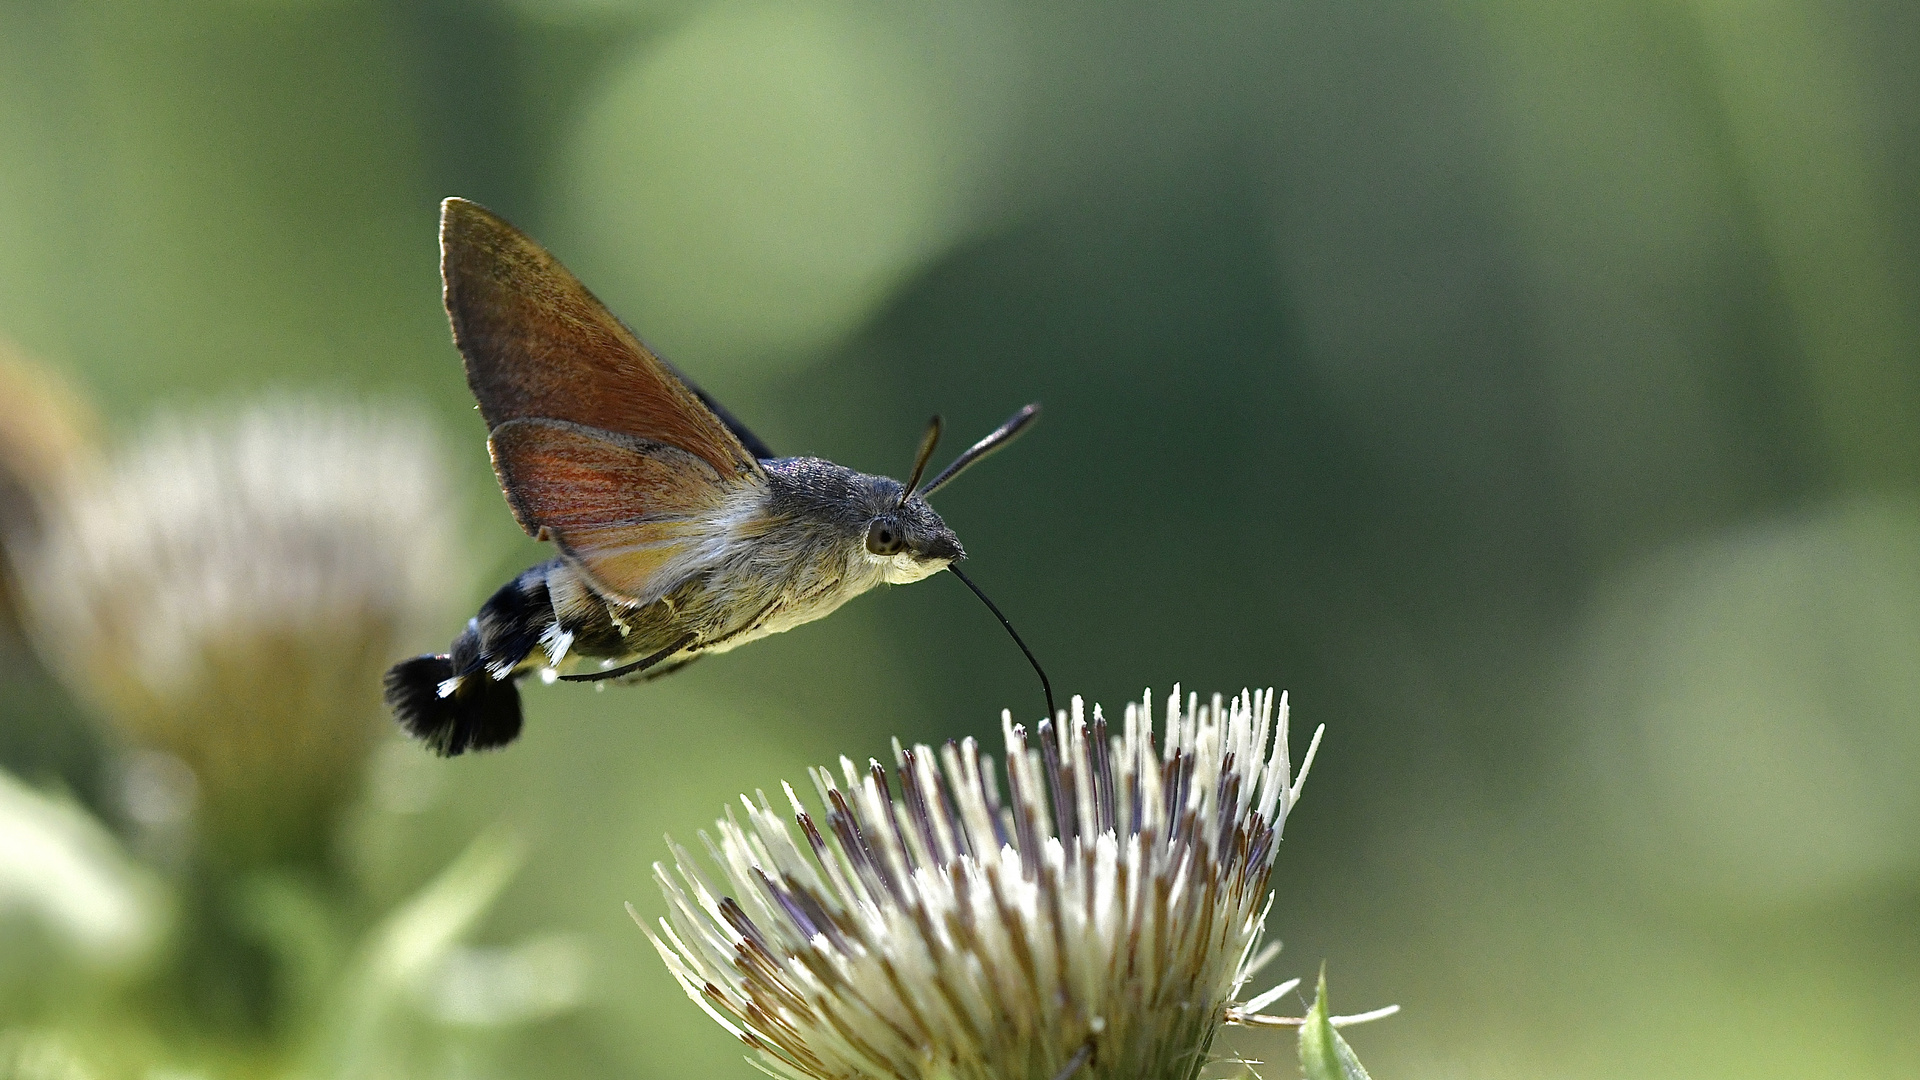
(61, 871)
(33, 1055)
(403, 951)
(1798, 96)
(1324, 1055)
(496, 986)
(301, 931)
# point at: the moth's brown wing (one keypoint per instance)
(635, 516)
(538, 345)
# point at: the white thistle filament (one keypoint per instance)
(1101, 918)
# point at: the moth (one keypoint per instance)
(678, 532)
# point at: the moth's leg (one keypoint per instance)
(641, 664)
(651, 624)
(666, 668)
(764, 614)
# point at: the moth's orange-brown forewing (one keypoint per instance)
(624, 509)
(537, 344)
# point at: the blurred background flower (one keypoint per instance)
(226, 596)
(1531, 389)
(223, 595)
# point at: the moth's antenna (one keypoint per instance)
(927, 442)
(1045, 686)
(995, 439)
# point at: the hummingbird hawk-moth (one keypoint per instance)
(679, 533)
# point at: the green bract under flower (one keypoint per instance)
(1099, 919)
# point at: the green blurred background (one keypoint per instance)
(1533, 390)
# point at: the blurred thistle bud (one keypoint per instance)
(228, 593)
(47, 433)
(1099, 922)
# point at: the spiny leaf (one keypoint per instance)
(1324, 1055)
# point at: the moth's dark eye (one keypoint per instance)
(883, 538)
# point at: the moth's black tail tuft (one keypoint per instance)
(482, 712)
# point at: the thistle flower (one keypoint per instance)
(1099, 921)
(229, 592)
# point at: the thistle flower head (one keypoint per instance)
(1097, 920)
(229, 591)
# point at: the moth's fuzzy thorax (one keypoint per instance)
(839, 507)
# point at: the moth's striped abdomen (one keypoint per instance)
(465, 699)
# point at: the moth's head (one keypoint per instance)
(903, 530)
(909, 538)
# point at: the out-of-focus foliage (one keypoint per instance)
(1532, 389)
(66, 888)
